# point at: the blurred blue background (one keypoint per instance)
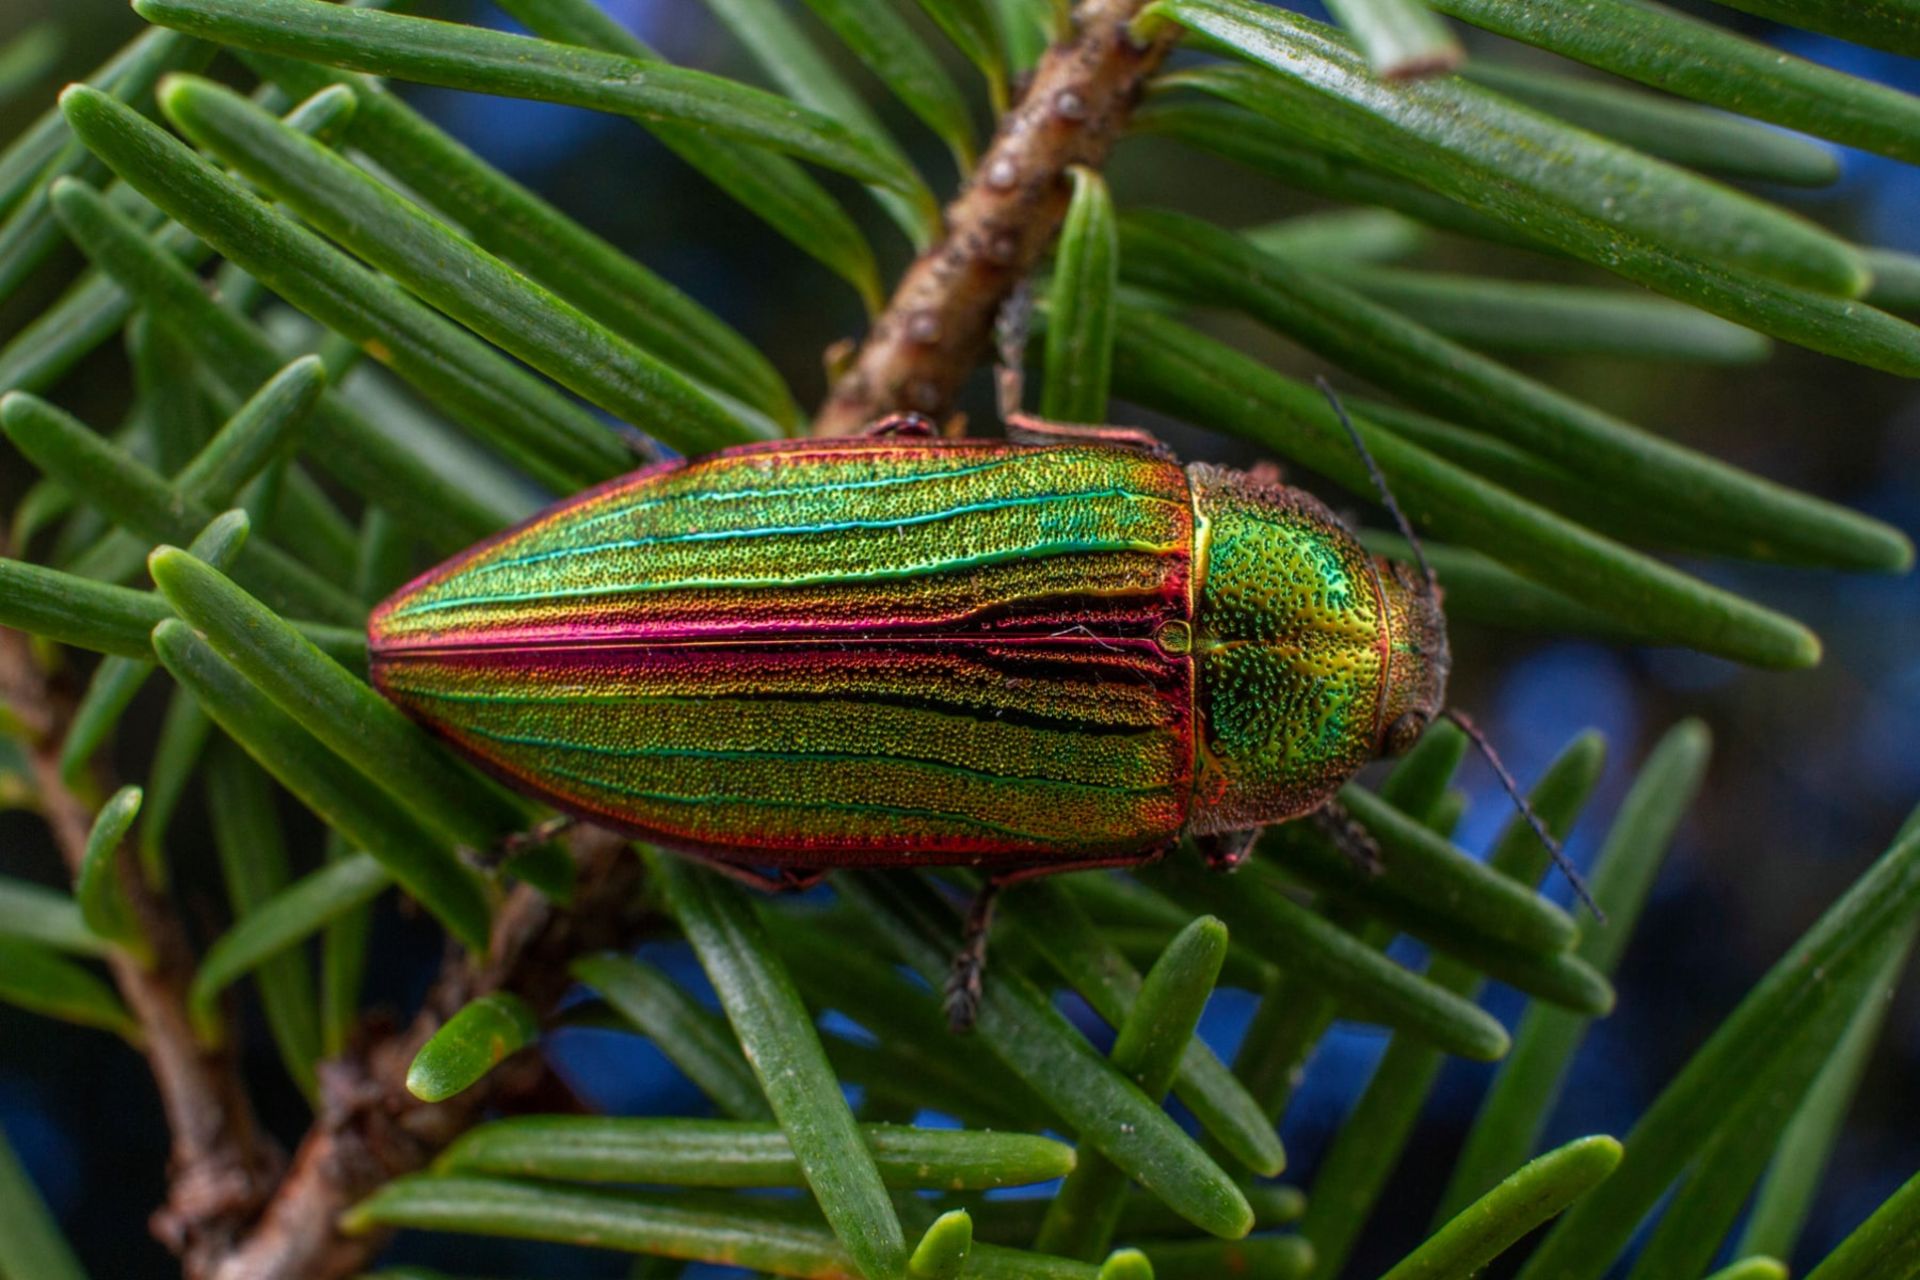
(1812, 771)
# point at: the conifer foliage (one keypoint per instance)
(284, 246)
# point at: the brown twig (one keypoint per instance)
(236, 1209)
(939, 322)
(223, 1166)
(371, 1130)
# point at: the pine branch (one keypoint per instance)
(223, 1165)
(370, 1129)
(230, 1212)
(477, 271)
(938, 323)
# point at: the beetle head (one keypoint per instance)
(1418, 659)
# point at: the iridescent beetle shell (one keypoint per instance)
(883, 651)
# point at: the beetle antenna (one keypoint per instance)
(1558, 854)
(1010, 329)
(1380, 485)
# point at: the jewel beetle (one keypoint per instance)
(1054, 652)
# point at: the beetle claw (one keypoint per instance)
(965, 986)
(782, 880)
(1228, 851)
(1267, 472)
(1348, 836)
(903, 426)
(1010, 330)
(1025, 429)
(508, 847)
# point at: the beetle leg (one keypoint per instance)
(1227, 851)
(541, 832)
(1348, 836)
(1268, 472)
(1010, 330)
(510, 846)
(1025, 429)
(784, 880)
(748, 876)
(965, 978)
(902, 426)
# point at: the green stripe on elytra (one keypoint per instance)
(981, 714)
(804, 530)
(796, 491)
(830, 806)
(807, 757)
(797, 580)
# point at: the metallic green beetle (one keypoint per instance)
(1030, 656)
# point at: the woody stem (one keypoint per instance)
(223, 1164)
(939, 322)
